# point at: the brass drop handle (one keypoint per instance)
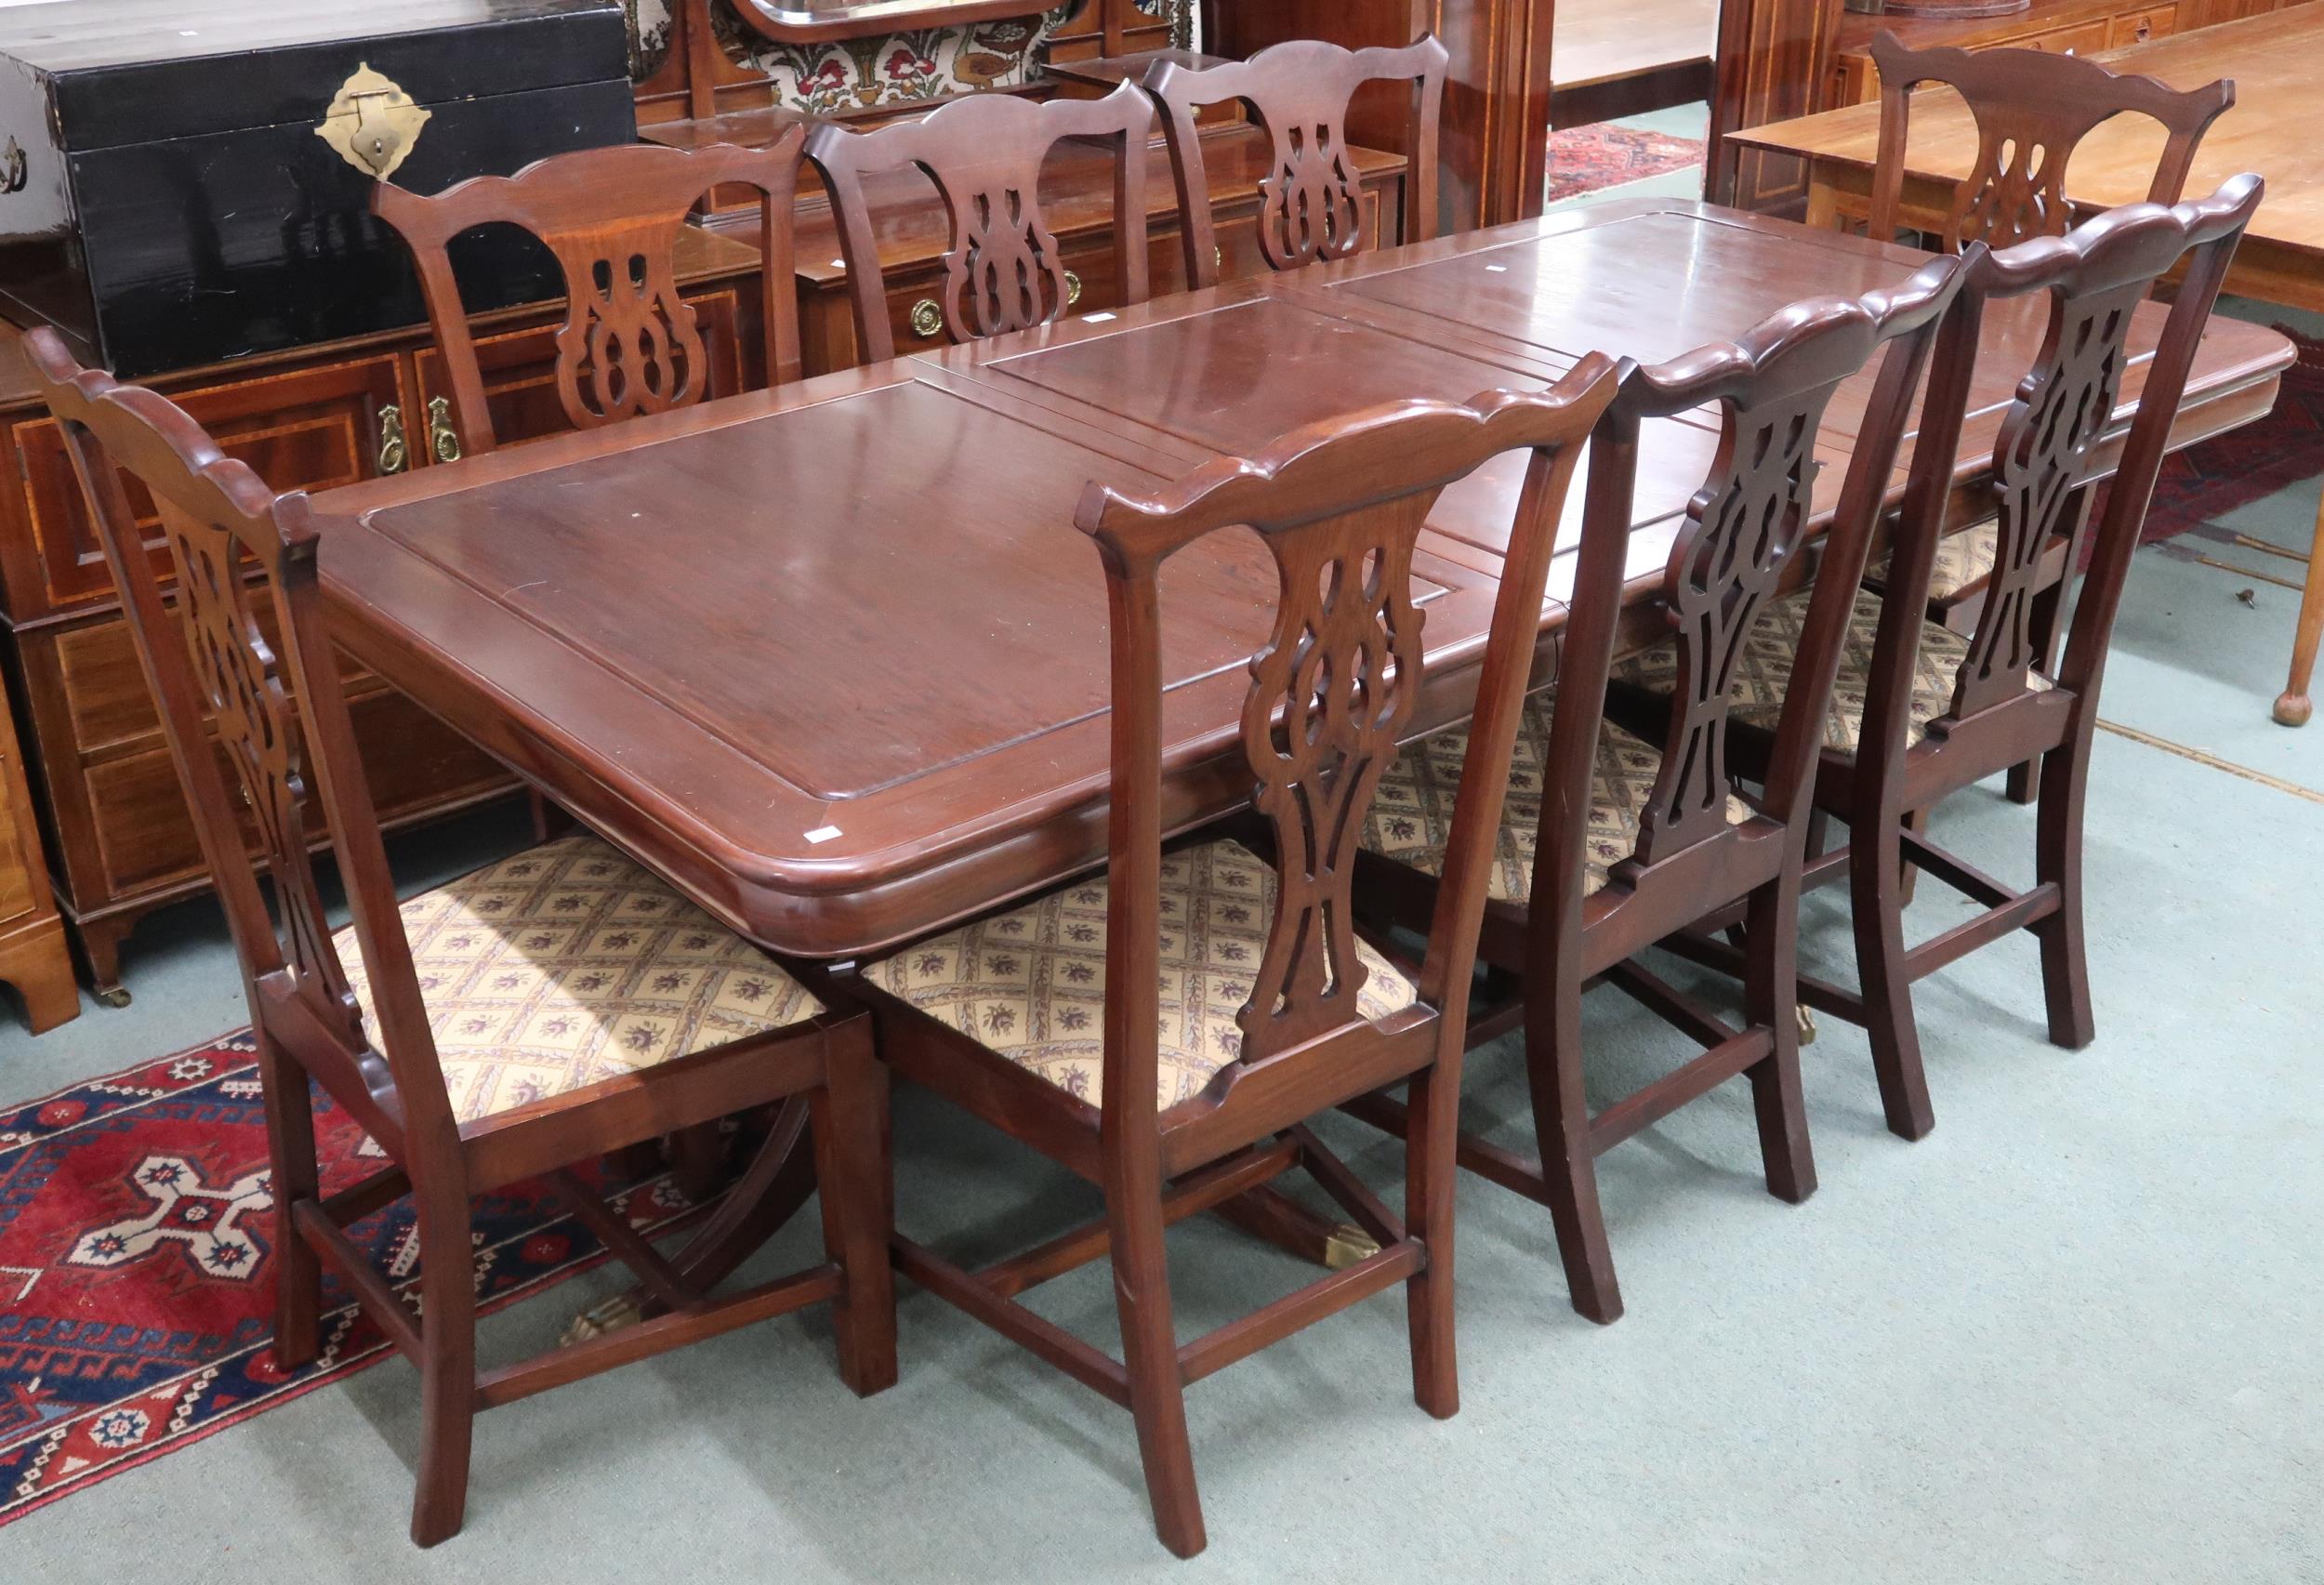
(1073, 288)
(442, 438)
(395, 454)
(927, 318)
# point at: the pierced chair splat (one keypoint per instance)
(984, 151)
(630, 343)
(1921, 712)
(1619, 831)
(534, 1016)
(1311, 201)
(1170, 1025)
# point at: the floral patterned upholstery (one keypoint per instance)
(1961, 559)
(1412, 813)
(569, 964)
(1030, 983)
(1766, 673)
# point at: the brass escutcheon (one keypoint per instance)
(395, 456)
(371, 123)
(1073, 288)
(442, 438)
(926, 317)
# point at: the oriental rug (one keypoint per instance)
(1584, 159)
(137, 1265)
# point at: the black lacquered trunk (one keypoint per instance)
(165, 199)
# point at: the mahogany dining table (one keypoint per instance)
(832, 656)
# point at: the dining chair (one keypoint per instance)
(513, 1024)
(1311, 200)
(630, 343)
(1166, 1029)
(984, 151)
(1615, 838)
(2032, 108)
(1920, 713)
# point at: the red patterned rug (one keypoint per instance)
(1583, 159)
(2242, 465)
(137, 1242)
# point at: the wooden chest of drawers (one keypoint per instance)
(119, 837)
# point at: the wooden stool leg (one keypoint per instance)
(1157, 1392)
(447, 1333)
(290, 1129)
(1432, 1136)
(2058, 860)
(1876, 874)
(1771, 997)
(853, 1165)
(2292, 708)
(1560, 1123)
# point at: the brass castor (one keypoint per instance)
(117, 997)
(1807, 1023)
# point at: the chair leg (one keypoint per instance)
(1770, 998)
(1876, 874)
(1560, 1123)
(447, 1338)
(2058, 859)
(854, 1169)
(698, 1157)
(290, 1126)
(1157, 1392)
(1432, 1136)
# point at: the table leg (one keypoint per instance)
(2292, 706)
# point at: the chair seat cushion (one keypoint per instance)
(1030, 983)
(1961, 559)
(1764, 675)
(569, 964)
(1412, 815)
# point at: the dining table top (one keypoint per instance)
(2275, 61)
(833, 657)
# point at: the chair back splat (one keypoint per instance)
(613, 219)
(984, 151)
(555, 1079)
(2031, 108)
(1340, 506)
(1311, 202)
(280, 713)
(1770, 388)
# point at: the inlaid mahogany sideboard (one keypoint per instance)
(34, 957)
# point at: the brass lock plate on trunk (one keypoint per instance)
(371, 123)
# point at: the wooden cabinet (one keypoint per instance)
(34, 957)
(97, 768)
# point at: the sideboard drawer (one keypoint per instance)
(303, 430)
(2082, 38)
(2137, 27)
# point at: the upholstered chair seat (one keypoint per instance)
(569, 964)
(1766, 673)
(1961, 559)
(1030, 983)
(1412, 818)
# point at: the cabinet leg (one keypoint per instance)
(100, 952)
(2292, 706)
(39, 964)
